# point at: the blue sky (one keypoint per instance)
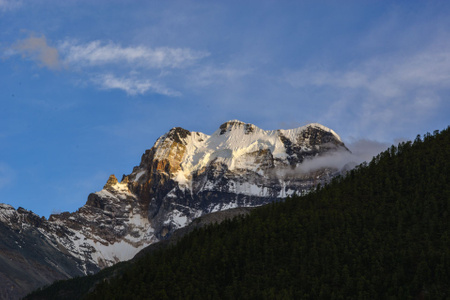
(87, 86)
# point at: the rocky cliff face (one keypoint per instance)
(187, 174)
(183, 176)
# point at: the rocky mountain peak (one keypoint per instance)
(235, 124)
(320, 134)
(182, 177)
(112, 180)
(125, 179)
(178, 135)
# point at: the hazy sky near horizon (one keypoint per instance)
(87, 86)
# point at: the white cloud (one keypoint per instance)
(132, 86)
(386, 77)
(362, 150)
(384, 93)
(98, 53)
(111, 60)
(103, 64)
(37, 49)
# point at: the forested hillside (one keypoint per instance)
(380, 232)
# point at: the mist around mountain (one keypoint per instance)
(380, 232)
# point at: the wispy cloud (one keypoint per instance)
(385, 77)
(37, 49)
(132, 85)
(100, 53)
(104, 63)
(362, 150)
(384, 92)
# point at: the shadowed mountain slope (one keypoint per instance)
(380, 232)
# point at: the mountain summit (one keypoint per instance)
(183, 176)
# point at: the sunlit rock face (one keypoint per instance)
(183, 176)
(187, 174)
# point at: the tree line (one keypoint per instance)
(382, 231)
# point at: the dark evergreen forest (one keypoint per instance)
(382, 231)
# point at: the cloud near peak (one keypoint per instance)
(362, 150)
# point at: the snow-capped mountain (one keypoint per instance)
(183, 176)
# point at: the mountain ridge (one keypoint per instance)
(183, 176)
(379, 232)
